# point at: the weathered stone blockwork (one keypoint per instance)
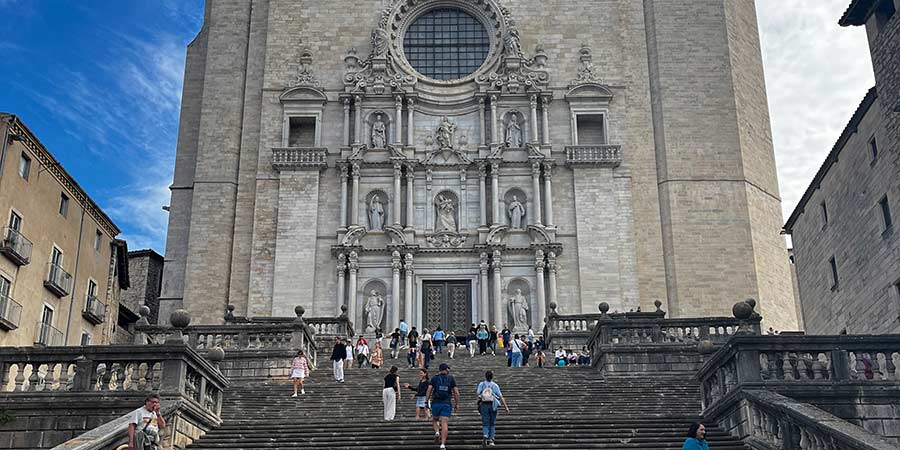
(688, 214)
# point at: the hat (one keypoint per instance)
(444, 366)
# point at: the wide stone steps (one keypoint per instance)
(564, 408)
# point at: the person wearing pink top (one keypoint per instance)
(299, 371)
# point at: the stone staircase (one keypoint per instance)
(566, 408)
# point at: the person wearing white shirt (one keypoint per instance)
(146, 421)
(560, 356)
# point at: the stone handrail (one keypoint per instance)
(286, 158)
(578, 328)
(114, 433)
(171, 369)
(594, 155)
(765, 361)
(778, 422)
(331, 326)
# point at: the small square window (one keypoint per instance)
(85, 338)
(24, 166)
(98, 240)
(834, 273)
(63, 205)
(873, 149)
(885, 213)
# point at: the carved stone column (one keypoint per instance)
(484, 303)
(408, 305)
(353, 267)
(398, 134)
(347, 121)
(534, 122)
(482, 185)
(395, 290)
(354, 200)
(344, 174)
(357, 130)
(496, 265)
(495, 192)
(536, 187)
(410, 127)
(483, 139)
(545, 111)
(463, 200)
(340, 271)
(539, 265)
(551, 269)
(548, 192)
(397, 193)
(410, 177)
(494, 119)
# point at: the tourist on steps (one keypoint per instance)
(696, 439)
(471, 342)
(426, 348)
(377, 358)
(411, 356)
(299, 371)
(395, 343)
(489, 399)
(515, 346)
(391, 393)
(143, 428)
(492, 340)
(421, 390)
(444, 400)
(348, 357)
(482, 335)
(404, 330)
(438, 339)
(338, 354)
(362, 352)
(507, 336)
(560, 356)
(451, 344)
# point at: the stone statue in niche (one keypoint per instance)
(444, 134)
(446, 214)
(376, 213)
(379, 137)
(516, 213)
(374, 311)
(513, 132)
(518, 310)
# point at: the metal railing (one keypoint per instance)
(47, 335)
(594, 155)
(15, 246)
(94, 310)
(287, 158)
(10, 313)
(58, 280)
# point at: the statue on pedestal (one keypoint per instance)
(516, 212)
(444, 134)
(379, 138)
(374, 311)
(376, 213)
(446, 214)
(513, 132)
(518, 309)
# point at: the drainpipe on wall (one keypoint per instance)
(75, 277)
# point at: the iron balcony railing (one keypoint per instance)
(58, 280)
(10, 313)
(47, 335)
(15, 246)
(94, 310)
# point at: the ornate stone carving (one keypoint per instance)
(353, 262)
(588, 72)
(396, 263)
(408, 263)
(446, 214)
(518, 309)
(496, 262)
(443, 135)
(305, 77)
(354, 234)
(539, 235)
(552, 262)
(483, 263)
(341, 265)
(446, 239)
(497, 235)
(374, 310)
(396, 234)
(376, 213)
(516, 213)
(379, 132)
(513, 137)
(539, 263)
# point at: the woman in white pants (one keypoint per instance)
(391, 393)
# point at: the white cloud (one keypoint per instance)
(817, 72)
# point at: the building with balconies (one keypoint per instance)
(61, 267)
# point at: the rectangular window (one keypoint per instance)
(5, 285)
(47, 316)
(92, 288)
(56, 257)
(885, 212)
(302, 132)
(824, 214)
(85, 338)
(873, 149)
(98, 240)
(591, 129)
(15, 221)
(63, 204)
(24, 166)
(834, 273)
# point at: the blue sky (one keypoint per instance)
(99, 82)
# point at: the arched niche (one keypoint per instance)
(515, 195)
(514, 129)
(370, 209)
(387, 124)
(515, 288)
(374, 303)
(446, 211)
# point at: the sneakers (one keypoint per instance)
(491, 443)
(302, 391)
(294, 395)
(484, 441)
(443, 447)
(437, 438)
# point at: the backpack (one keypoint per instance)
(441, 391)
(487, 395)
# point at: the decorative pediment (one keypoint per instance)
(306, 94)
(396, 234)
(446, 239)
(497, 235)
(589, 92)
(539, 235)
(354, 234)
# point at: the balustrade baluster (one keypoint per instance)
(50, 378)
(880, 366)
(895, 360)
(120, 376)
(34, 378)
(64, 376)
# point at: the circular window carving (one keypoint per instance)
(446, 44)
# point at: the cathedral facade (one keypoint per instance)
(447, 161)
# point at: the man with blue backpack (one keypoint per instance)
(444, 400)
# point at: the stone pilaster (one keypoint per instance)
(494, 119)
(357, 129)
(353, 268)
(482, 186)
(495, 192)
(496, 266)
(545, 111)
(341, 272)
(398, 134)
(354, 200)
(534, 121)
(397, 193)
(408, 303)
(396, 265)
(484, 309)
(548, 192)
(552, 267)
(536, 192)
(344, 175)
(481, 131)
(410, 124)
(541, 308)
(347, 121)
(410, 201)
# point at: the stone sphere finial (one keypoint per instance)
(144, 311)
(299, 311)
(658, 305)
(751, 302)
(180, 319)
(553, 307)
(216, 355)
(742, 311)
(604, 308)
(706, 347)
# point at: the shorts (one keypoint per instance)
(420, 402)
(441, 410)
(298, 373)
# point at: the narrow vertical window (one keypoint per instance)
(24, 166)
(885, 213)
(63, 205)
(85, 338)
(824, 213)
(834, 273)
(98, 240)
(873, 149)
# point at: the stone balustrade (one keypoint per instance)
(288, 158)
(594, 155)
(331, 326)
